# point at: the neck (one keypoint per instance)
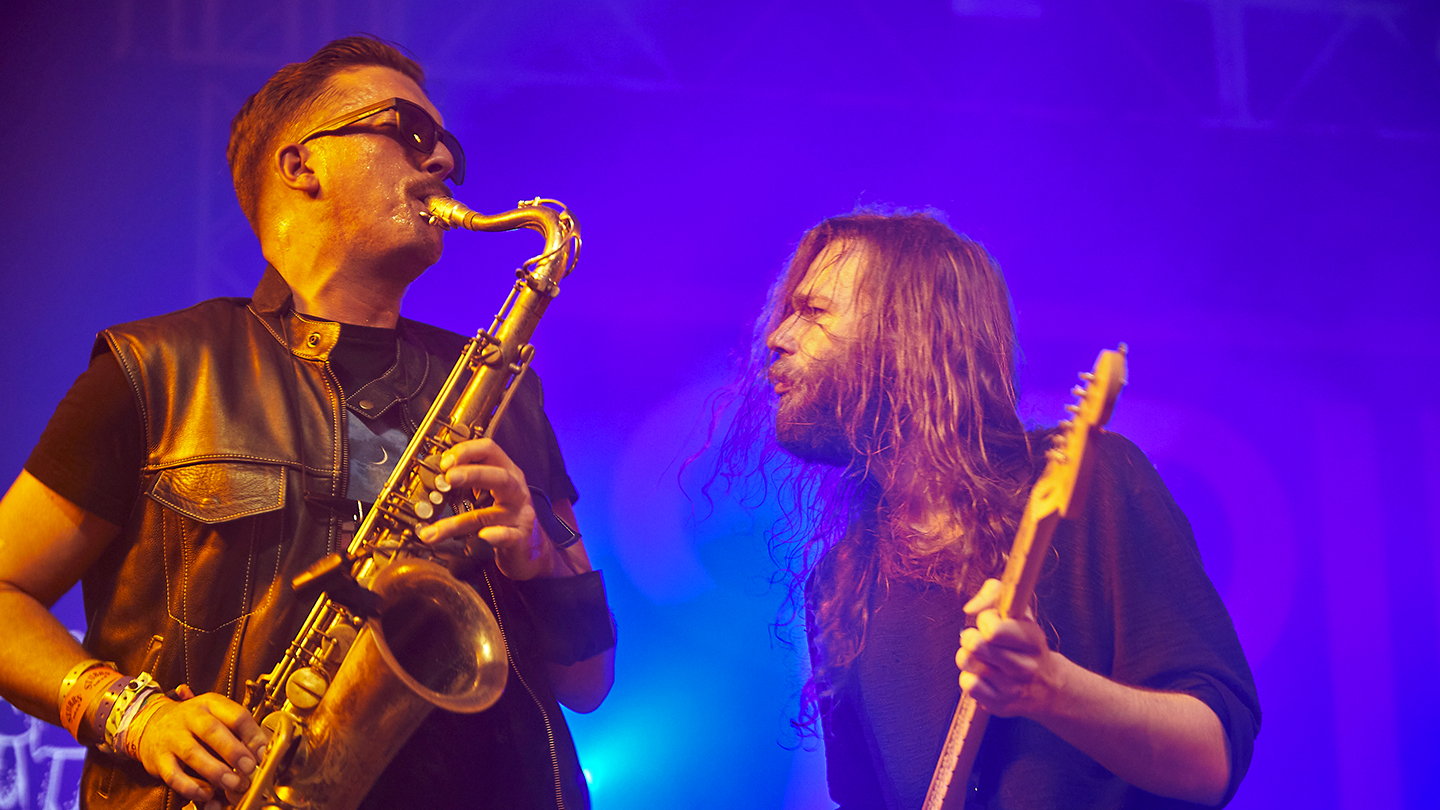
(346, 298)
(332, 280)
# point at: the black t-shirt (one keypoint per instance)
(93, 448)
(1124, 595)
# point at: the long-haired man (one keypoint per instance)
(890, 348)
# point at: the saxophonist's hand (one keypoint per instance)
(507, 525)
(205, 748)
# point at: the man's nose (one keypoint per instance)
(440, 162)
(782, 338)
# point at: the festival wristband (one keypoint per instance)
(74, 675)
(127, 742)
(89, 685)
(93, 726)
(116, 742)
(134, 689)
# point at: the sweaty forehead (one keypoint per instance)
(356, 87)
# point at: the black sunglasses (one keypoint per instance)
(416, 129)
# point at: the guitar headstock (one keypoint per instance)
(1096, 396)
(1100, 389)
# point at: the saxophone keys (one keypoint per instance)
(305, 688)
(341, 636)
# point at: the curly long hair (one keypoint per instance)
(927, 404)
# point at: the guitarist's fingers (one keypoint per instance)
(993, 663)
(1011, 634)
(996, 682)
(968, 680)
(985, 598)
(981, 657)
(1013, 650)
(964, 657)
(994, 701)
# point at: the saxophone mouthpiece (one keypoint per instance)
(446, 212)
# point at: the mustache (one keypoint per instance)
(778, 373)
(431, 188)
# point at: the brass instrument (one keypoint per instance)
(395, 634)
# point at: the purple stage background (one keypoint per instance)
(1244, 191)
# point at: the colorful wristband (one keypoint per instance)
(90, 684)
(115, 739)
(123, 701)
(127, 742)
(74, 674)
(92, 728)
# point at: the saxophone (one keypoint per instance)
(393, 634)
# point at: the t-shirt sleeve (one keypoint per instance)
(92, 450)
(527, 437)
(1169, 628)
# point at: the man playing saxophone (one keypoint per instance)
(208, 456)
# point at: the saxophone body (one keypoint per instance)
(394, 635)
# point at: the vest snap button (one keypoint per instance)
(366, 404)
(314, 339)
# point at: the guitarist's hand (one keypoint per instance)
(1006, 664)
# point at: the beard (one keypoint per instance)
(807, 419)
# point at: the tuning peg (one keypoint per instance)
(1056, 456)
(1087, 376)
(1078, 391)
(1072, 408)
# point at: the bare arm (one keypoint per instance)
(46, 543)
(1167, 743)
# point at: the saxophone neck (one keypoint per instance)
(549, 218)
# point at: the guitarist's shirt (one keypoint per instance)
(1125, 595)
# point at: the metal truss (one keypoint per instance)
(1228, 19)
(741, 51)
(623, 45)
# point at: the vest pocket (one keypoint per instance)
(222, 529)
(219, 492)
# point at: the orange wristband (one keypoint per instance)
(77, 700)
(74, 675)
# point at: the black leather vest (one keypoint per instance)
(241, 490)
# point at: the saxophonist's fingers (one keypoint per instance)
(201, 737)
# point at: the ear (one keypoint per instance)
(292, 164)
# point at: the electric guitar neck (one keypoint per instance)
(1060, 489)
